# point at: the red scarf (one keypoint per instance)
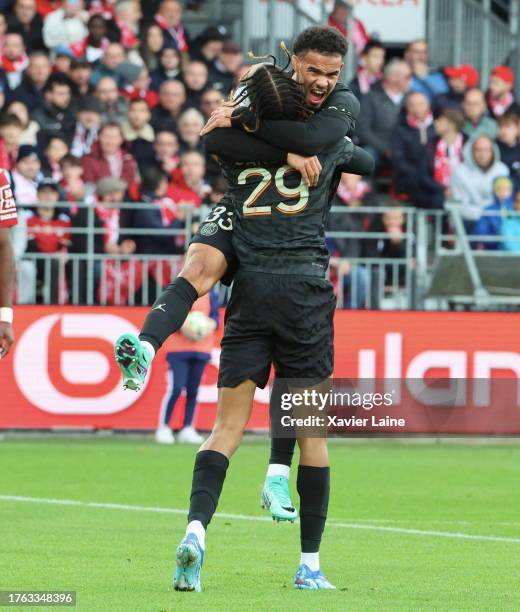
(177, 33)
(79, 49)
(110, 218)
(442, 164)
(422, 126)
(362, 189)
(17, 65)
(367, 80)
(499, 107)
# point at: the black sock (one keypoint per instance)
(209, 473)
(282, 449)
(168, 312)
(313, 486)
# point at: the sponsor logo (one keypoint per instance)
(63, 364)
(209, 229)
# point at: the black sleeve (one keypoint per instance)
(236, 145)
(326, 127)
(359, 162)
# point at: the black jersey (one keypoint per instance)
(279, 223)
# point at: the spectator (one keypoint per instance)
(48, 232)
(62, 60)
(72, 184)
(508, 142)
(107, 158)
(472, 181)
(447, 147)
(137, 130)
(172, 97)
(510, 228)
(190, 188)
(208, 45)
(113, 106)
(11, 129)
(30, 127)
(210, 100)
(27, 175)
(127, 15)
(380, 110)
(55, 150)
(152, 43)
(94, 45)
(138, 84)
(189, 126)
(55, 117)
(113, 57)
(30, 90)
(393, 223)
(500, 98)
(87, 125)
(169, 19)
(168, 68)
(111, 192)
(80, 74)
(477, 119)
(195, 78)
(460, 79)
(490, 223)
(370, 69)
(223, 71)
(166, 153)
(429, 81)
(353, 192)
(65, 26)
(412, 135)
(162, 216)
(23, 19)
(14, 59)
(339, 18)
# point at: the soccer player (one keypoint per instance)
(8, 218)
(317, 62)
(280, 313)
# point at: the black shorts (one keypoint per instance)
(286, 321)
(216, 230)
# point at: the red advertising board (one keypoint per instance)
(61, 373)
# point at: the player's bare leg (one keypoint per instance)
(209, 473)
(204, 266)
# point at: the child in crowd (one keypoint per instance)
(490, 223)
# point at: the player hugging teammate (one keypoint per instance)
(270, 225)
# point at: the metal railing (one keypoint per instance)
(428, 240)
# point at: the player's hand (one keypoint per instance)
(220, 118)
(6, 338)
(308, 167)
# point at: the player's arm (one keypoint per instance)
(7, 280)
(355, 160)
(337, 119)
(238, 146)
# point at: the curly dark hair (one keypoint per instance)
(272, 94)
(323, 39)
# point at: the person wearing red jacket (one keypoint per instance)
(107, 158)
(187, 354)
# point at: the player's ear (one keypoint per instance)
(296, 63)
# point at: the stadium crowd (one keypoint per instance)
(103, 102)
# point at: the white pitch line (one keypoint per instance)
(246, 517)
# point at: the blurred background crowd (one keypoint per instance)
(102, 102)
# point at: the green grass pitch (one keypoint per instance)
(390, 543)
